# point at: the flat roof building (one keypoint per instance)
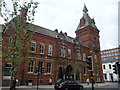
(111, 53)
(107, 66)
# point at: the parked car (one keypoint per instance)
(68, 85)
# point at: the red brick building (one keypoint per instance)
(59, 55)
(0, 55)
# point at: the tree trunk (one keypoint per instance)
(11, 82)
(74, 76)
(22, 81)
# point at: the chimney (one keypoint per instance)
(61, 32)
(56, 30)
(65, 33)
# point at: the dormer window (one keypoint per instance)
(62, 51)
(72, 41)
(61, 37)
(56, 36)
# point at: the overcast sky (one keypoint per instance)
(65, 15)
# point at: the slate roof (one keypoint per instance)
(42, 30)
(88, 20)
(51, 33)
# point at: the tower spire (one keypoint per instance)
(85, 10)
(86, 20)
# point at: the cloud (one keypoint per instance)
(65, 15)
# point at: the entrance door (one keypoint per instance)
(68, 74)
(111, 77)
(60, 73)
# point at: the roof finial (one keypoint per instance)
(93, 21)
(85, 10)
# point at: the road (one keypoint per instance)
(54, 89)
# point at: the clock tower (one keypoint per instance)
(88, 33)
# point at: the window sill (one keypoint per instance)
(30, 72)
(49, 55)
(39, 74)
(41, 53)
(6, 77)
(63, 57)
(47, 73)
(32, 51)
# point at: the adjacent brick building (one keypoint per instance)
(59, 55)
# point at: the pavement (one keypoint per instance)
(33, 86)
(103, 85)
(97, 85)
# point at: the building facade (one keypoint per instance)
(107, 66)
(60, 56)
(111, 53)
(109, 58)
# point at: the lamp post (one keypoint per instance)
(92, 80)
(38, 67)
(90, 67)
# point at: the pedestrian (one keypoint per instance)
(88, 81)
(14, 83)
(59, 80)
(26, 82)
(17, 82)
(50, 81)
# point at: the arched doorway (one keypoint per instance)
(61, 72)
(68, 73)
